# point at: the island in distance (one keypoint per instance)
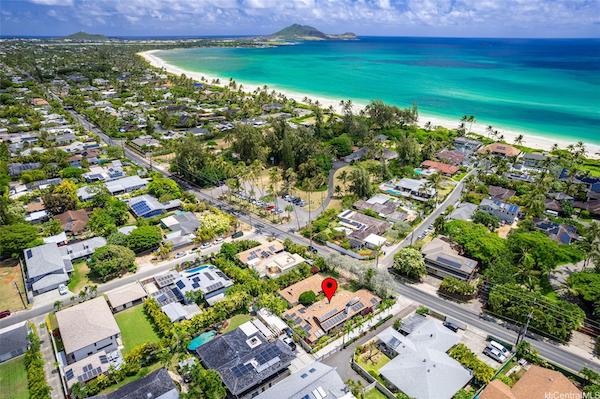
(306, 32)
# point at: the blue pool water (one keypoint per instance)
(201, 340)
(195, 269)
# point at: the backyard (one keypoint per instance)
(13, 379)
(235, 322)
(79, 277)
(10, 272)
(374, 393)
(371, 359)
(135, 328)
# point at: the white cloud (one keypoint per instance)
(53, 2)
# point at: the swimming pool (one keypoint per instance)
(201, 340)
(195, 269)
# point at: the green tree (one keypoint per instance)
(409, 262)
(15, 238)
(307, 298)
(486, 219)
(102, 223)
(112, 261)
(144, 238)
(164, 189)
(360, 183)
(342, 145)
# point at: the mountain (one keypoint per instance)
(305, 32)
(85, 37)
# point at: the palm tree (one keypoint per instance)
(344, 178)
(57, 305)
(519, 139)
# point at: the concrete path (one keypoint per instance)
(52, 374)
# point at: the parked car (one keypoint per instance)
(218, 240)
(63, 290)
(451, 326)
(500, 347)
(4, 313)
(312, 249)
(205, 245)
(288, 341)
(237, 234)
(495, 354)
(179, 255)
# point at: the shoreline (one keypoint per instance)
(529, 140)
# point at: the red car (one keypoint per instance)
(4, 313)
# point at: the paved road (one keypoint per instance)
(452, 198)
(548, 350)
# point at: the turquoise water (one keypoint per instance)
(201, 340)
(195, 269)
(546, 87)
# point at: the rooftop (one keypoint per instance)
(244, 358)
(315, 381)
(292, 293)
(125, 294)
(156, 385)
(422, 369)
(85, 324)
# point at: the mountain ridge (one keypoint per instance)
(307, 32)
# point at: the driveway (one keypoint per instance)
(341, 359)
(52, 374)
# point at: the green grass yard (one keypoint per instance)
(374, 393)
(135, 327)
(236, 321)
(372, 361)
(79, 277)
(13, 379)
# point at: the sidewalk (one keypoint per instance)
(401, 303)
(52, 374)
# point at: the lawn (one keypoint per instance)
(374, 393)
(13, 379)
(372, 360)
(79, 277)
(236, 321)
(10, 272)
(135, 328)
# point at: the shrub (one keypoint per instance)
(456, 288)
(34, 364)
(482, 373)
(307, 298)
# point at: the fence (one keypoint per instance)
(374, 381)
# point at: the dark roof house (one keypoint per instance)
(156, 385)
(245, 359)
(13, 341)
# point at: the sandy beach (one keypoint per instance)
(530, 140)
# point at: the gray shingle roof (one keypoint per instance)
(155, 385)
(244, 361)
(13, 338)
(315, 376)
(43, 259)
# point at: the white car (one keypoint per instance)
(218, 241)
(205, 245)
(63, 290)
(495, 354)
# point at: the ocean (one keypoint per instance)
(547, 87)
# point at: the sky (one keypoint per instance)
(454, 18)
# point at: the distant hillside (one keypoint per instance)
(305, 32)
(88, 37)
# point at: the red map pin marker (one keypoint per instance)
(329, 286)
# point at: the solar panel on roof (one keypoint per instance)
(209, 276)
(334, 321)
(357, 306)
(221, 274)
(328, 314)
(214, 287)
(69, 374)
(180, 284)
(195, 286)
(449, 262)
(103, 359)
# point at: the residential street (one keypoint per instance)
(556, 353)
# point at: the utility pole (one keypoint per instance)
(523, 331)
(20, 295)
